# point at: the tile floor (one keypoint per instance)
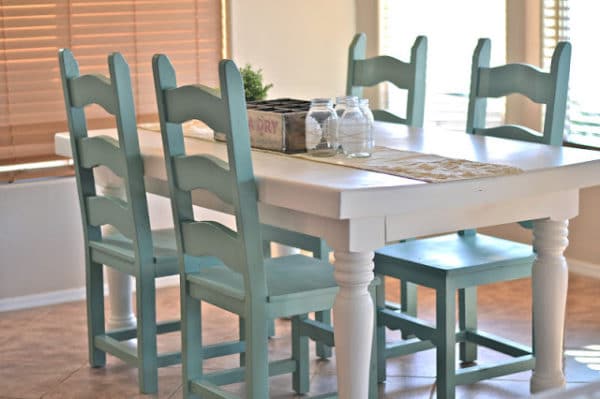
(43, 351)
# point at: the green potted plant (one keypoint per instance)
(253, 84)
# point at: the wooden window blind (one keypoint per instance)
(32, 31)
(576, 21)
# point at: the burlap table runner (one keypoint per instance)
(413, 165)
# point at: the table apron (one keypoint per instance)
(561, 205)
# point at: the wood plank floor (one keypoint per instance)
(43, 351)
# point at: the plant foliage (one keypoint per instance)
(253, 84)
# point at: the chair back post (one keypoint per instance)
(134, 171)
(173, 146)
(357, 51)
(86, 187)
(554, 122)
(415, 105)
(240, 164)
(478, 105)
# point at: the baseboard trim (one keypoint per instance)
(584, 268)
(36, 300)
(62, 296)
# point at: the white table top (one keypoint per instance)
(341, 193)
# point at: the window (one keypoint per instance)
(452, 29)
(32, 31)
(576, 21)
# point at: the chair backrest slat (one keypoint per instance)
(112, 211)
(382, 68)
(214, 175)
(363, 72)
(102, 151)
(516, 78)
(208, 237)
(93, 89)
(179, 112)
(114, 94)
(233, 180)
(548, 88)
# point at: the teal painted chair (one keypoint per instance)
(365, 72)
(410, 76)
(130, 217)
(247, 284)
(461, 262)
(133, 249)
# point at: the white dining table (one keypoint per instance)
(358, 211)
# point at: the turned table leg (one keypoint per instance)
(550, 280)
(119, 284)
(353, 322)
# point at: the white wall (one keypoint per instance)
(41, 243)
(301, 46)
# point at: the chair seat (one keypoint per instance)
(288, 277)
(453, 254)
(165, 251)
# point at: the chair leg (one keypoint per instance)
(300, 377)
(191, 338)
(379, 334)
(374, 364)
(257, 355)
(271, 328)
(408, 302)
(446, 342)
(95, 312)
(146, 333)
(323, 351)
(242, 334)
(467, 320)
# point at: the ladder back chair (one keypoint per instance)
(548, 88)
(365, 72)
(131, 247)
(247, 284)
(460, 262)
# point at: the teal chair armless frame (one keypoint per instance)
(474, 259)
(247, 284)
(365, 72)
(131, 250)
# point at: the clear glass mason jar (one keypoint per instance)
(363, 104)
(355, 136)
(340, 105)
(321, 128)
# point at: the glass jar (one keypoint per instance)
(355, 137)
(340, 105)
(363, 104)
(321, 126)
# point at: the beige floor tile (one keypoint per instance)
(43, 351)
